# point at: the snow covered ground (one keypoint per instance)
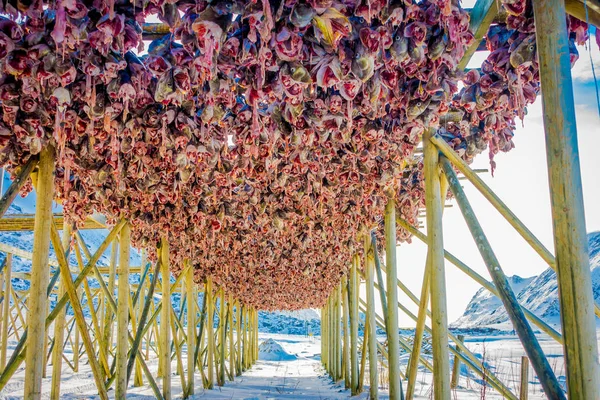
(291, 369)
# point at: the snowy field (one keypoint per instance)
(290, 368)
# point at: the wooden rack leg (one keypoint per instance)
(191, 328)
(210, 336)
(435, 253)
(231, 343)
(392, 298)
(353, 294)
(122, 313)
(165, 317)
(346, 332)
(372, 328)
(40, 276)
(6, 312)
(59, 329)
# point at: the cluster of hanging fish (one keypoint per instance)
(262, 138)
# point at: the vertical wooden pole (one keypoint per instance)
(210, 335)
(231, 342)
(435, 253)
(138, 379)
(122, 312)
(371, 323)
(331, 327)
(456, 365)
(238, 332)
(59, 327)
(191, 327)
(165, 318)
(40, 276)
(336, 334)
(568, 217)
(353, 294)
(524, 390)
(345, 321)
(324, 336)
(112, 274)
(6, 299)
(255, 335)
(6, 312)
(222, 337)
(393, 336)
(363, 358)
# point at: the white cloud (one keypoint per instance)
(582, 71)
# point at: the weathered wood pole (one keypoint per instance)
(568, 217)
(138, 379)
(122, 312)
(371, 323)
(524, 389)
(336, 334)
(324, 350)
(338, 337)
(363, 358)
(230, 338)
(191, 327)
(255, 335)
(165, 318)
(435, 254)
(238, 333)
(210, 332)
(222, 337)
(346, 332)
(528, 339)
(331, 327)
(6, 311)
(393, 336)
(456, 365)
(353, 294)
(108, 314)
(37, 303)
(59, 327)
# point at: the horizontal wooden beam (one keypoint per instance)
(577, 9)
(24, 222)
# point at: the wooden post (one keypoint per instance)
(108, 315)
(435, 254)
(40, 276)
(59, 327)
(336, 335)
(165, 317)
(456, 366)
(524, 390)
(222, 337)
(363, 358)
(210, 335)
(122, 312)
(570, 241)
(392, 299)
(331, 327)
(353, 294)
(372, 328)
(137, 378)
(238, 333)
(191, 327)
(345, 320)
(513, 308)
(231, 343)
(6, 312)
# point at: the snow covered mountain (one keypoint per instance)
(539, 294)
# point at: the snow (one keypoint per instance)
(270, 350)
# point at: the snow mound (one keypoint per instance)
(270, 350)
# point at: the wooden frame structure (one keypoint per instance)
(571, 261)
(125, 331)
